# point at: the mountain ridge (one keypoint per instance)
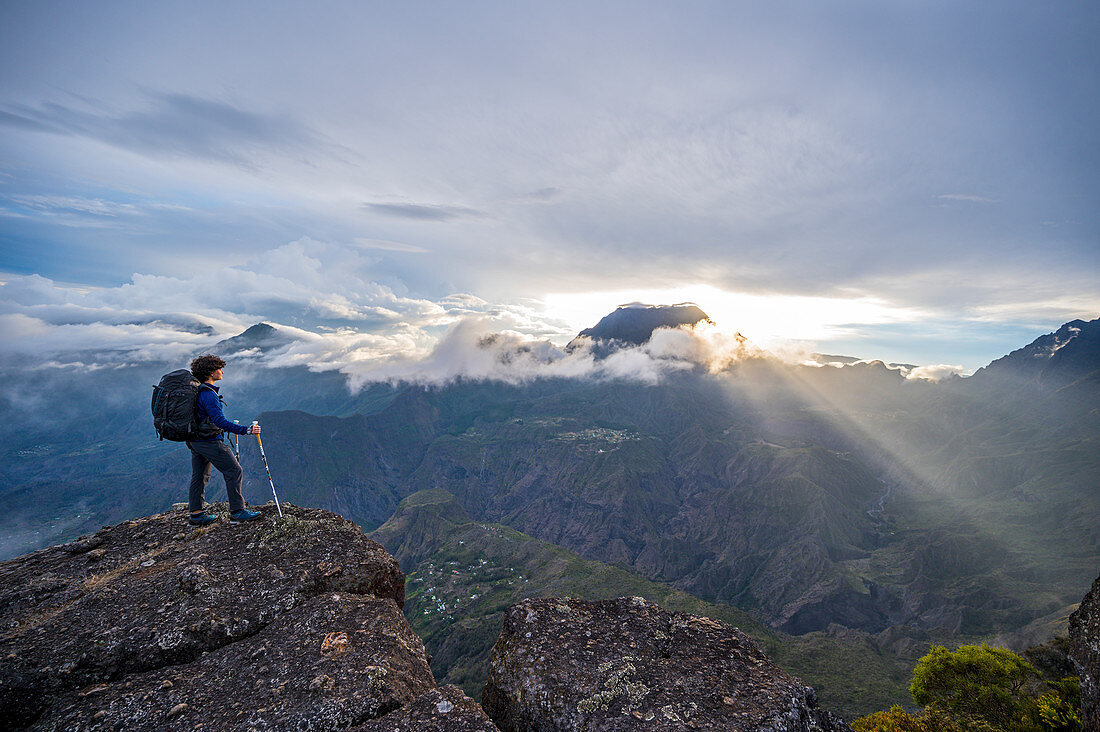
(1052, 360)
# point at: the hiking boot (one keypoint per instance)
(239, 517)
(201, 519)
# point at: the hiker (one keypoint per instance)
(213, 450)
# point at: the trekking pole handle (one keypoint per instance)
(267, 467)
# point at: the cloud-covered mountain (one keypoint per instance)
(262, 338)
(634, 323)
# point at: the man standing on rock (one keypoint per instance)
(213, 450)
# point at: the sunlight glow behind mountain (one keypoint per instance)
(772, 321)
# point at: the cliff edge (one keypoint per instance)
(291, 623)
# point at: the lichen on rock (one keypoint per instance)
(445, 709)
(615, 686)
(627, 664)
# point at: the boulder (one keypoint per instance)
(627, 664)
(290, 622)
(1084, 650)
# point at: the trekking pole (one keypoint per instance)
(237, 442)
(268, 469)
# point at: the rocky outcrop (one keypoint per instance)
(1084, 650)
(284, 623)
(627, 664)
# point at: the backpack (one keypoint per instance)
(173, 407)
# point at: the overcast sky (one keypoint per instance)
(915, 181)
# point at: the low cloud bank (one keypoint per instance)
(321, 295)
(473, 349)
(935, 372)
(334, 317)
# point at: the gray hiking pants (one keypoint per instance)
(216, 453)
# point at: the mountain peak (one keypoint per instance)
(1054, 359)
(260, 330)
(259, 336)
(634, 323)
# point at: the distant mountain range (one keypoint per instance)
(827, 501)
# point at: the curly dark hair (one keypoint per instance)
(205, 365)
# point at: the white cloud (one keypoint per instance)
(390, 246)
(966, 197)
(475, 348)
(95, 206)
(936, 372)
(320, 295)
(334, 317)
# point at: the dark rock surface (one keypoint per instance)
(445, 709)
(290, 623)
(329, 662)
(627, 664)
(1084, 650)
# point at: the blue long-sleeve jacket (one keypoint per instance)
(209, 406)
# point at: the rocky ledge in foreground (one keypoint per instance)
(1084, 650)
(283, 623)
(627, 664)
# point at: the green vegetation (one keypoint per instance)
(981, 688)
(279, 529)
(899, 720)
(975, 681)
